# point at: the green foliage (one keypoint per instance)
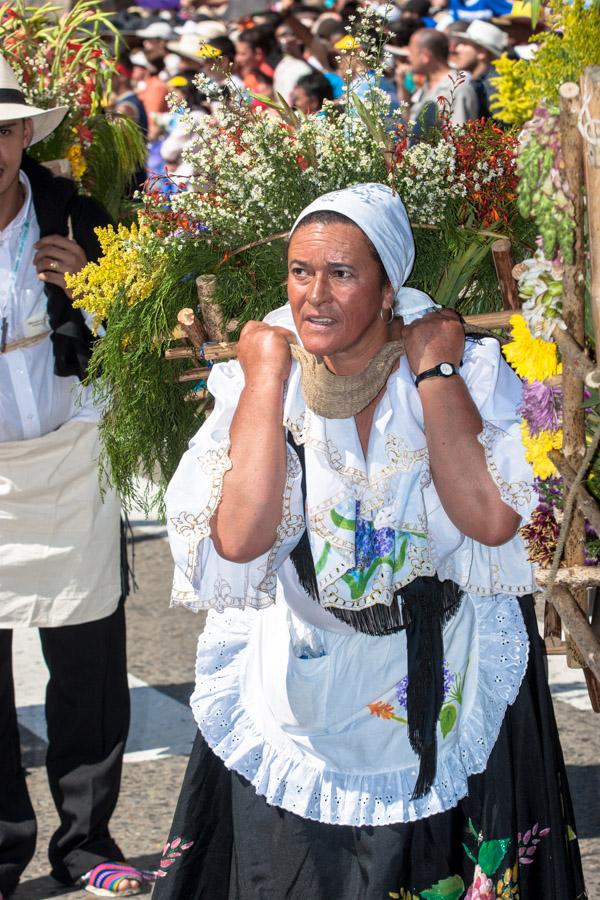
(147, 423)
(258, 173)
(447, 719)
(117, 151)
(491, 854)
(448, 889)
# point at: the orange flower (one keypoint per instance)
(381, 710)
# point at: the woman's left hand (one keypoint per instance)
(436, 337)
(55, 256)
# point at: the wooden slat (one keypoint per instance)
(578, 627)
(180, 353)
(194, 374)
(503, 262)
(588, 506)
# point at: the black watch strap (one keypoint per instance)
(443, 370)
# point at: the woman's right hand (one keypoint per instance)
(264, 352)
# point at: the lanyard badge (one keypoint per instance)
(12, 285)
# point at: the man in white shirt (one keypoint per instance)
(60, 540)
(444, 91)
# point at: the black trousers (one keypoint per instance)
(87, 711)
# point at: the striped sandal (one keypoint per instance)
(104, 880)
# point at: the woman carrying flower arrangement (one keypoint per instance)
(374, 719)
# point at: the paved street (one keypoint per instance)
(162, 646)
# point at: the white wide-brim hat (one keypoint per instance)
(190, 45)
(485, 35)
(13, 106)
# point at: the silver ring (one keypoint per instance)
(53, 264)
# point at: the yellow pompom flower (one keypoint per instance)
(538, 447)
(514, 100)
(121, 273)
(564, 50)
(532, 358)
(77, 161)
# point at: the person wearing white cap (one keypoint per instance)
(155, 90)
(60, 565)
(474, 52)
(373, 717)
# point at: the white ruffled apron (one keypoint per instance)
(59, 537)
(315, 719)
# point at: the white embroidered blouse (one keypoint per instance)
(310, 711)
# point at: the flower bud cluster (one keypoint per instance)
(543, 192)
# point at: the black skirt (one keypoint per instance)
(512, 837)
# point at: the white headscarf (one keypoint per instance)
(380, 213)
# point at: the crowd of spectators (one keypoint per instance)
(438, 59)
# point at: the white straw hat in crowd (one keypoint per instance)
(139, 58)
(396, 51)
(485, 35)
(160, 31)
(188, 27)
(13, 106)
(190, 45)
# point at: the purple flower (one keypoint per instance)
(401, 689)
(402, 686)
(541, 407)
(448, 679)
(550, 492)
(383, 541)
(370, 543)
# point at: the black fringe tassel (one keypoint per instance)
(430, 604)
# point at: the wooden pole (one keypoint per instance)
(180, 353)
(574, 358)
(573, 315)
(588, 506)
(194, 374)
(590, 124)
(491, 320)
(223, 350)
(193, 329)
(590, 89)
(503, 262)
(577, 625)
(212, 315)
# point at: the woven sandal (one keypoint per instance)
(104, 880)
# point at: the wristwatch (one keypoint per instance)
(443, 370)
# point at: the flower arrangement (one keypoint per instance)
(134, 272)
(65, 61)
(563, 54)
(540, 285)
(486, 165)
(254, 174)
(535, 359)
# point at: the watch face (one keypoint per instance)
(446, 369)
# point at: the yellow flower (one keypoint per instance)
(565, 49)
(514, 101)
(347, 43)
(538, 447)
(121, 273)
(532, 358)
(77, 161)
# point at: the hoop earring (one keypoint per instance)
(391, 317)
